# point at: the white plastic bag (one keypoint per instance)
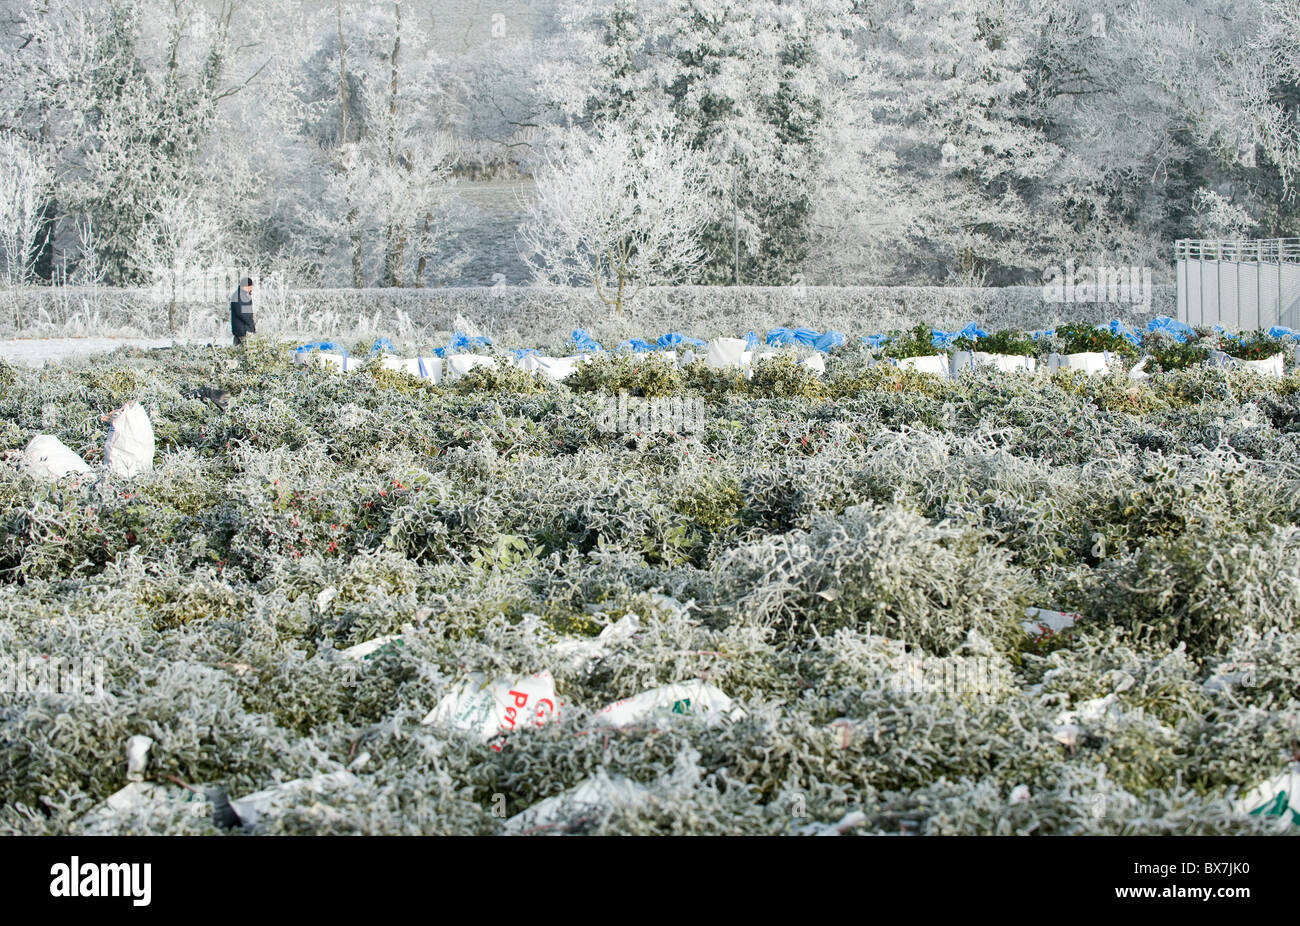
(937, 364)
(129, 449)
(1036, 619)
(1006, 363)
(725, 353)
(815, 362)
(590, 802)
(140, 794)
(429, 368)
(1269, 366)
(579, 653)
(137, 757)
(491, 710)
(272, 801)
(694, 697)
(339, 363)
(460, 364)
(1276, 797)
(370, 647)
(46, 457)
(558, 368)
(1089, 362)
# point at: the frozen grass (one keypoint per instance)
(36, 352)
(833, 541)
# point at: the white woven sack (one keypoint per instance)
(129, 449)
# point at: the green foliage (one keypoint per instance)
(856, 549)
(1167, 354)
(918, 342)
(1082, 339)
(1252, 346)
(501, 378)
(1007, 341)
(782, 377)
(640, 375)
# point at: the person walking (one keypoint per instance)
(241, 311)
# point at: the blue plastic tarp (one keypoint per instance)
(1279, 331)
(464, 342)
(784, 337)
(320, 345)
(674, 339)
(752, 341)
(945, 339)
(875, 340)
(829, 340)
(1118, 327)
(584, 342)
(383, 344)
(637, 345)
(1179, 331)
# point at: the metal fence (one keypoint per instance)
(1242, 285)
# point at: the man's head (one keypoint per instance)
(247, 284)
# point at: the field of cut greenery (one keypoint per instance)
(848, 557)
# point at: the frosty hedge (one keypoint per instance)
(817, 542)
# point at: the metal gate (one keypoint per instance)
(1241, 285)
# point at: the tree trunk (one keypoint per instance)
(424, 251)
(343, 82)
(356, 249)
(396, 235)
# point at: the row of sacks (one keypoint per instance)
(738, 353)
(128, 449)
(1091, 362)
(721, 353)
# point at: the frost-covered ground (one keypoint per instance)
(832, 573)
(36, 352)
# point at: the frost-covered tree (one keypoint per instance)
(126, 94)
(180, 241)
(25, 184)
(387, 159)
(616, 211)
(25, 181)
(743, 84)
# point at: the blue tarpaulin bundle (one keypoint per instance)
(463, 342)
(383, 344)
(752, 342)
(1118, 327)
(945, 339)
(1179, 331)
(584, 342)
(828, 340)
(783, 337)
(320, 345)
(637, 345)
(523, 352)
(1225, 333)
(674, 339)
(1279, 331)
(875, 340)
